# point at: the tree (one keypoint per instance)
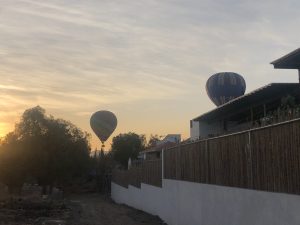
(13, 160)
(56, 150)
(125, 146)
(103, 164)
(153, 140)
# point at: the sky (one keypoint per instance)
(147, 61)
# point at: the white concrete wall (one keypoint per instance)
(187, 203)
(203, 129)
(194, 130)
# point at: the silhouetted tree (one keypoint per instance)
(56, 150)
(153, 140)
(13, 163)
(125, 146)
(102, 168)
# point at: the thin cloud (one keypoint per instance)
(73, 57)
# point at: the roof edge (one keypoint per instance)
(285, 56)
(243, 96)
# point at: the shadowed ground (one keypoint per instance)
(84, 209)
(101, 210)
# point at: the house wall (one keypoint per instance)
(203, 129)
(213, 128)
(175, 138)
(194, 130)
(187, 203)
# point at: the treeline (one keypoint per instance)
(54, 152)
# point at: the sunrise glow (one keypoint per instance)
(74, 58)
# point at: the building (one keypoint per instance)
(155, 152)
(289, 61)
(258, 108)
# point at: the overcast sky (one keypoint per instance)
(146, 60)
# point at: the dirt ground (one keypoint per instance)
(100, 210)
(84, 209)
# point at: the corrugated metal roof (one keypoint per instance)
(289, 61)
(261, 94)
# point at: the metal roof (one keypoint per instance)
(243, 102)
(289, 61)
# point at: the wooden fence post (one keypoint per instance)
(162, 164)
(250, 161)
(208, 169)
(178, 163)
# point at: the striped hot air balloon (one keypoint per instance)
(225, 86)
(103, 124)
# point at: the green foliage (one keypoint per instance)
(53, 151)
(128, 145)
(288, 102)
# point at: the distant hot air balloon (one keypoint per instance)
(223, 87)
(103, 124)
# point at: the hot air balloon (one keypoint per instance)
(225, 86)
(103, 124)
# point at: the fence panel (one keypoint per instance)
(148, 172)
(228, 160)
(120, 177)
(152, 172)
(170, 163)
(135, 175)
(202, 162)
(276, 158)
(192, 166)
(187, 163)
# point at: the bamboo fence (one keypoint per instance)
(266, 158)
(148, 172)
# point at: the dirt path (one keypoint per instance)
(85, 209)
(97, 209)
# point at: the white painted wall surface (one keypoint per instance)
(194, 130)
(187, 203)
(203, 129)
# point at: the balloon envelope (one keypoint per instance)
(223, 87)
(103, 124)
